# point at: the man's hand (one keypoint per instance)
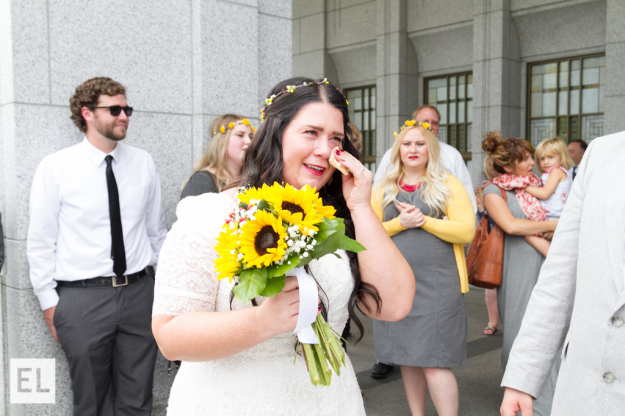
(48, 315)
(516, 401)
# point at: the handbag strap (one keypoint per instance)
(504, 194)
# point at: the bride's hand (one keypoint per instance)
(279, 314)
(357, 185)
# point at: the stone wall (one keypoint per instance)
(183, 63)
(396, 44)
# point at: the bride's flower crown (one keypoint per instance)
(410, 123)
(290, 89)
(231, 125)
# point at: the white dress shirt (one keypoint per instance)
(69, 236)
(450, 158)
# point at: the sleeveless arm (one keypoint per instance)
(185, 279)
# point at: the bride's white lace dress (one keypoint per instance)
(263, 379)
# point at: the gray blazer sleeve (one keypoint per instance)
(199, 183)
(548, 315)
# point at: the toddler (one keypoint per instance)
(555, 165)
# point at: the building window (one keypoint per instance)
(555, 106)
(362, 113)
(452, 95)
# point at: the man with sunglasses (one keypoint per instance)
(96, 228)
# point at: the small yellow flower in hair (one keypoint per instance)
(347, 102)
(395, 133)
(246, 122)
(230, 125)
(325, 81)
(410, 122)
(253, 129)
(426, 125)
(290, 88)
(222, 129)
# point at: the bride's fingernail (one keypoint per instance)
(338, 152)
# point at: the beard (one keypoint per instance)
(109, 131)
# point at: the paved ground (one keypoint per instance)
(478, 382)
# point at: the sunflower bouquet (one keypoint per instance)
(275, 231)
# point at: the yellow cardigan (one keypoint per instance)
(458, 229)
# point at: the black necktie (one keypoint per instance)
(118, 251)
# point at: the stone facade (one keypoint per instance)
(397, 44)
(183, 63)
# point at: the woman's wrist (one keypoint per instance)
(362, 211)
(265, 331)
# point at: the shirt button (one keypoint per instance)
(609, 378)
(617, 321)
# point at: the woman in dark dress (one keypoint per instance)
(231, 134)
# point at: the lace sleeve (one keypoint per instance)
(185, 279)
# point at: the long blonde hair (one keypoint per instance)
(553, 146)
(214, 157)
(437, 193)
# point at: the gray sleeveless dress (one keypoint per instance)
(521, 267)
(434, 334)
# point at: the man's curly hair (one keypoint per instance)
(87, 95)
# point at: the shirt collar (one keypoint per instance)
(97, 156)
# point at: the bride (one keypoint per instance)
(238, 358)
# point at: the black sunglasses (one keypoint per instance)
(116, 110)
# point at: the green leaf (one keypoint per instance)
(263, 205)
(243, 205)
(279, 270)
(273, 286)
(251, 283)
(329, 245)
(348, 244)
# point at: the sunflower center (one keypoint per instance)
(294, 208)
(265, 239)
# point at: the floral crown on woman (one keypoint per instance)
(410, 123)
(231, 125)
(290, 89)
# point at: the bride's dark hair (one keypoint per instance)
(263, 165)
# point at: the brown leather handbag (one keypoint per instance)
(485, 258)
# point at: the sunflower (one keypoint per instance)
(262, 240)
(256, 194)
(297, 207)
(227, 264)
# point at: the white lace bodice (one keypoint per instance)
(262, 379)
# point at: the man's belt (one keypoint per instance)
(110, 281)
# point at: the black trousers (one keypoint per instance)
(106, 334)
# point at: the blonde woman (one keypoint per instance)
(429, 216)
(231, 134)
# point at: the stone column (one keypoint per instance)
(397, 92)
(183, 63)
(310, 57)
(615, 68)
(496, 75)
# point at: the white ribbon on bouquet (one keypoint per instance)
(308, 306)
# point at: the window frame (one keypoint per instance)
(557, 116)
(467, 155)
(371, 158)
